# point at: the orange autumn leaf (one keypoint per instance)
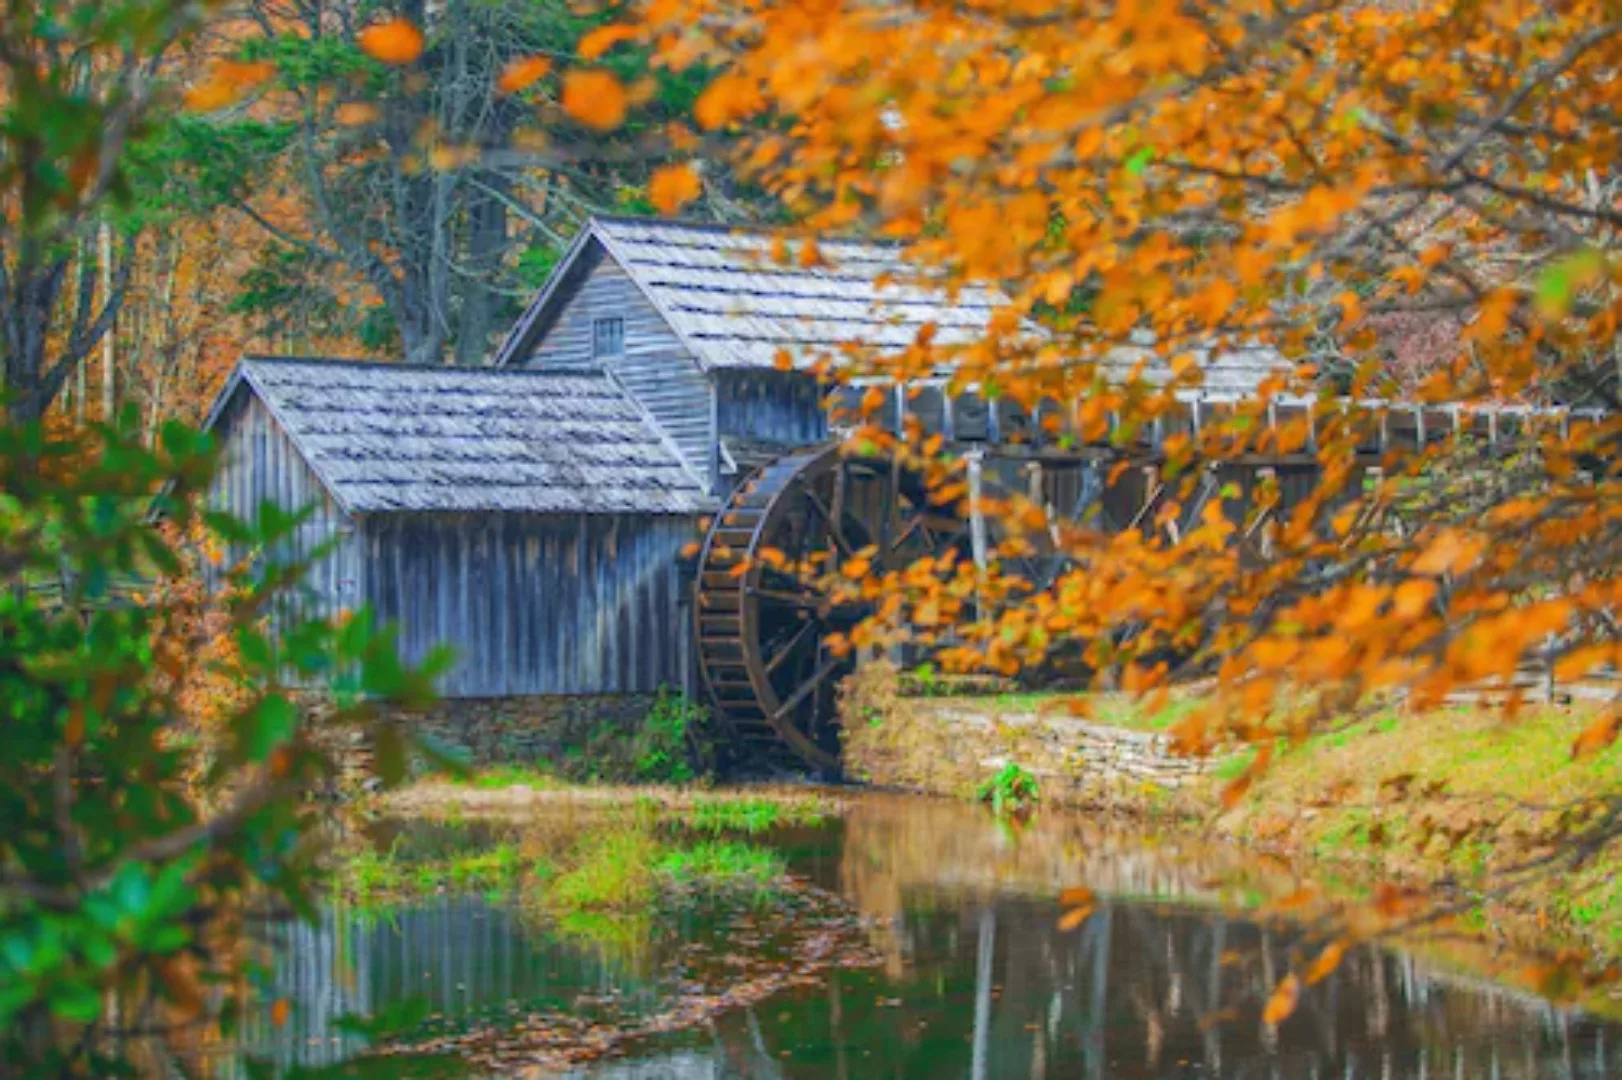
(1070, 920)
(673, 187)
(1075, 896)
(604, 38)
(1450, 553)
(394, 41)
(228, 82)
(1326, 962)
(279, 1010)
(522, 72)
(1597, 736)
(595, 99)
(1235, 791)
(1394, 901)
(857, 567)
(356, 114)
(178, 974)
(1283, 1001)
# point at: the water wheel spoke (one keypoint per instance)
(804, 601)
(806, 632)
(825, 669)
(836, 510)
(914, 525)
(834, 531)
(762, 635)
(892, 507)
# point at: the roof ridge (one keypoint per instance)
(744, 229)
(420, 369)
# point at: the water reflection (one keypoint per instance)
(998, 993)
(976, 980)
(470, 960)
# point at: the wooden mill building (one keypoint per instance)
(532, 514)
(531, 519)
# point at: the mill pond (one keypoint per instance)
(879, 936)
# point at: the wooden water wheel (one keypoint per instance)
(763, 632)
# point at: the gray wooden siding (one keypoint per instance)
(261, 464)
(537, 604)
(656, 368)
(773, 406)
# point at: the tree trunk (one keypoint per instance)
(487, 241)
(104, 248)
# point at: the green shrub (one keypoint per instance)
(158, 758)
(666, 747)
(610, 870)
(1013, 790)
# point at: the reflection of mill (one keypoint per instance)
(972, 945)
(466, 959)
(893, 847)
(1125, 996)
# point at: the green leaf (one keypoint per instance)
(441, 755)
(266, 726)
(1139, 161)
(395, 1018)
(389, 754)
(78, 1004)
(1561, 281)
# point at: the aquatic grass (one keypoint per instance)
(498, 777)
(612, 870)
(373, 875)
(499, 867)
(752, 816)
(370, 874)
(721, 864)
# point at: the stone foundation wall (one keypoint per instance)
(568, 733)
(950, 747)
(526, 730)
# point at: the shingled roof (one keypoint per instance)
(387, 437)
(735, 306)
(1232, 372)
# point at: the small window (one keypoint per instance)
(607, 338)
